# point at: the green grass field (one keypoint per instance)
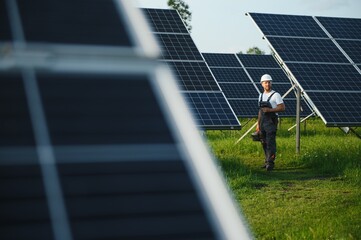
(313, 195)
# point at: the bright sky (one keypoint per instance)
(220, 26)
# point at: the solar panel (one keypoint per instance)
(182, 55)
(58, 23)
(178, 47)
(352, 48)
(92, 146)
(239, 90)
(317, 64)
(221, 60)
(194, 76)
(344, 28)
(291, 105)
(338, 108)
(247, 108)
(211, 109)
(240, 87)
(329, 77)
(4, 23)
(258, 61)
(287, 25)
(278, 75)
(307, 50)
(229, 75)
(172, 24)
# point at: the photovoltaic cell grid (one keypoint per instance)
(233, 80)
(316, 62)
(182, 55)
(102, 168)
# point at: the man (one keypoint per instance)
(270, 103)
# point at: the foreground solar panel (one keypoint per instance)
(194, 77)
(238, 75)
(94, 146)
(321, 56)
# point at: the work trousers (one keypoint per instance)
(268, 130)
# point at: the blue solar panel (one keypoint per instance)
(239, 90)
(224, 74)
(291, 105)
(211, 110)
(194, 76)
(258, 61)
(307, 50)
(172, 24)
(278, 75)
(352, 48)
(178, 47)
(281, 88)
(221, 60)
(245, 107)
(287, 25)
(338, 108)
(330, 77)
(59, 23)
(345, 28)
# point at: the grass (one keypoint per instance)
(313, 195)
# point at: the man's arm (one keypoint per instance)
(280, 108)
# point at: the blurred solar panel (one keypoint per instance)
(352, 48)
(111, 154)
(172, 24)
(287, 25)
(58, 22)
(221, 60)
(194, 76)
(257, 61)
(307, 50)
(344, 28)
(4, 23)
(211, 109)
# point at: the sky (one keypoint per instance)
(221, 26)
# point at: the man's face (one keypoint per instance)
(267, 85)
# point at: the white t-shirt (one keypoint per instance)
(275, 99)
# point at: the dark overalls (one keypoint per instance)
(268, 127)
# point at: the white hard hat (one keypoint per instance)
(266, 77)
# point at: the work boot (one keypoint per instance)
(270, 165)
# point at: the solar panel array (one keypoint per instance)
(238, 75)
(93, 143)
(208, 103)
(323, 56)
